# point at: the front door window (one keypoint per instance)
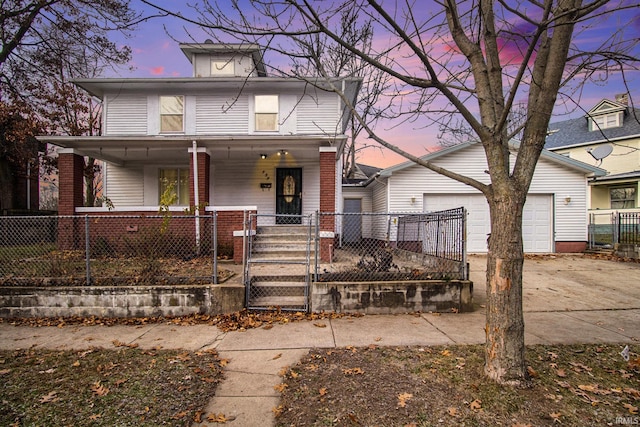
(288, 195)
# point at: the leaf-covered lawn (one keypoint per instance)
(124, 386)
(577, 385)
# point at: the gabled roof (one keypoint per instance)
(605, 106)
(545, 154)
(363, 174)
(575, 132)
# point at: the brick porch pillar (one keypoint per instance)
(204, 167)
(70, 195)
(327, 200)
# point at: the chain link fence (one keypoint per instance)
(108, 250)
(396, 247)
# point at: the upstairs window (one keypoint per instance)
(605, 121)
(174, 186)
(222, 68)
(623, 197)
(266, 109)
(171, 114)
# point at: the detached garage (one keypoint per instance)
(555, 214)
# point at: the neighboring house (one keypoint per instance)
(270, 145)
(608, 136)
(555, 214)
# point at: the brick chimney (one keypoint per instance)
(623, 98)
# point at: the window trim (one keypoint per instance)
(171, 114)
(266, 111)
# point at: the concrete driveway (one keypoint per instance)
(563, 293)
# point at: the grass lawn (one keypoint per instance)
(576, 385)
(123, 386)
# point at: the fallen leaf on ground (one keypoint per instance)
(323, 391)
(217, 418)
(49, 397)
(98, 389)
(452, 411)
(632, 409)
(353, 371)
(555, 416)
(280, 387)
(320, 325)
(476, 404)
(403, 398)
(277, 356)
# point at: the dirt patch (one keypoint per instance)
(571, 385)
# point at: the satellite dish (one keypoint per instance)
(601, 152)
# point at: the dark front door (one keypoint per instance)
(288, 195)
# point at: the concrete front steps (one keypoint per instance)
(282, 243)
(288, 292)
(278, 267)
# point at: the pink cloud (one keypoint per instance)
(157, 71)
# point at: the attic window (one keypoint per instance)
(605, 121)
(222, 68)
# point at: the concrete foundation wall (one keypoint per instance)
(393, 297)
(121, 301)
(626, 250)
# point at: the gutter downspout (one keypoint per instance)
(196, 197)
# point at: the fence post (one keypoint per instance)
(215, 247)
(317, 244)
(87, 249)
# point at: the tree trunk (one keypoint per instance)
(504, 347)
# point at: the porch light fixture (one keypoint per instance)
(263, 156)
(282, 153)
(567, 200)
(413, 200)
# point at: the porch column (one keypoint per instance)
(327, 200)
(70, 196)
(71, 171)
(204, 166)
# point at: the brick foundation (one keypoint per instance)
(570, 247)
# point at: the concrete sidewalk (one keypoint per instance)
(567, 299)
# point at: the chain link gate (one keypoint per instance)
(277, 271)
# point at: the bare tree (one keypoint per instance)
(471, 61)
(45, 44)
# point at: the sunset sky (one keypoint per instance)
(156, 54)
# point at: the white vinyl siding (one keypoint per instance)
(318, 113)
(126, 115)
(125, 186)
(554, 181)
(222, 115)
(230, 188)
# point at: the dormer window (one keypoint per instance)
(605, 121)
(171, 114)
(266, 111)
(222, 67)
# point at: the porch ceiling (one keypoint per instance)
(127, 150)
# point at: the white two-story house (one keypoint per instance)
(263, 144)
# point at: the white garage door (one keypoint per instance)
(537, 223)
